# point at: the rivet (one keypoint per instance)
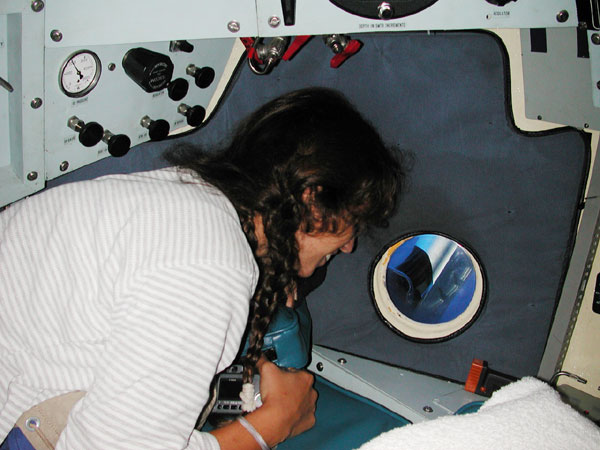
(342, 361)
(36, 103)
(274, 21)
(56, 35)
(32, 423)
(37, 5)
(562, 16)
(595, 39)
(233, 26)
(428, 409)
(64, 166)
(112, 66)
(32, 176)
(320, 366)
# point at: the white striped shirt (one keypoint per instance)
(134, 288)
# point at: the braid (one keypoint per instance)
(277, 270)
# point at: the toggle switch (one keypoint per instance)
(118, 144)
(203, 76)
(157, 129)
(181, 46)
(194, 114)
(289, 12)
(178, 89)
(89, 133)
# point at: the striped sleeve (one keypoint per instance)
(173, 326)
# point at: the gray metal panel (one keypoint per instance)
(414, 396)
(117, 102)
(117, 22)
(558, 85)
(21, 60)
(323, 17)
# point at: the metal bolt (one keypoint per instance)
(428, 409)
(37, 5)
(64, 166)
(274, 21)
(36, 103)
(56, 35)
(562, 16)
(342, 361)
(233, 26)
(112, 66)
(320, 366)
(596, 39)
(32, 176)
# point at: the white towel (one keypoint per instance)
(526, 414)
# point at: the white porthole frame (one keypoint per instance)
(411, 329)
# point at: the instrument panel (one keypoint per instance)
(81, 84)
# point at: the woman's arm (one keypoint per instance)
(288, 409)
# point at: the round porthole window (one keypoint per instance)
(427, 286)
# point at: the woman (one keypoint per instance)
(136, 288)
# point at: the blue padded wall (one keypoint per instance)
(513, 197)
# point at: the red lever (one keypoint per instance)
(351, 48)
(296, 45)
(249, 44)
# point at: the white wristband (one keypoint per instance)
(255, 434)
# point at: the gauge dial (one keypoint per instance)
(80, 73)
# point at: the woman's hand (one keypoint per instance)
(288, 396)
(288, 409)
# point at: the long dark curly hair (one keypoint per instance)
(307, 141)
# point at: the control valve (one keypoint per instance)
(203, 76)
(157, 129)
(194, 114)
(89, 133)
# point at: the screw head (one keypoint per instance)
(64, 166)
(32, 176)
(112, 66)
(320, 366)
(342, 361)
(233, 26)
(36, 103)
(37, 5)
(427, 409)
(56, 35)
(595, 39)
(274, 21)
(562, 16)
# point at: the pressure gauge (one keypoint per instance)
(80, 73)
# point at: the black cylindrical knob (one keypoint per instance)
(194, 114)
(178, 89)
(118, 144)
(157, 129)
(203, 76)
(152, 71)
(89, 133)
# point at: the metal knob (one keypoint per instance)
(118, 144)
(89, 133)
(385, 11)
(157, 129)
(194, 114)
